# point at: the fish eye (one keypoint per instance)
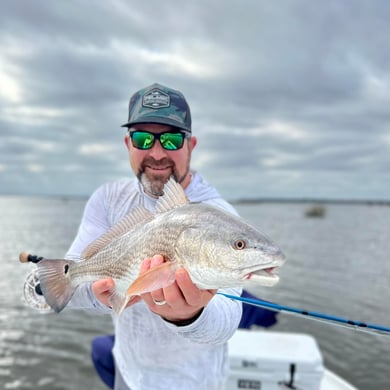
(239, 244)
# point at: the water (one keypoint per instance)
(337, 264)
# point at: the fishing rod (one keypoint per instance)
(357, 325)
(33, 288)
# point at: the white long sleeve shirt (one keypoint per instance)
(149, 352)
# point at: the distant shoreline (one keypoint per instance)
(368, 202)
(239, 201)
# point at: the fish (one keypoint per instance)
(217, 248)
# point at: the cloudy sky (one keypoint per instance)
(289, 98)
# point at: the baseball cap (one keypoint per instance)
(159, 104)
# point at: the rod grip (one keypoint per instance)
(26, 257)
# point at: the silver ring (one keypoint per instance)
(159, 303)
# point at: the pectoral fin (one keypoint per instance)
(158, 277)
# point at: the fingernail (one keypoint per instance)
(156, 260)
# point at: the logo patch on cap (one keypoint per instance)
(156, 99)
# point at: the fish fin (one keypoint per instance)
(136, 216)
(118, 302)
(158, 277)
(174, 196)
(55, 282)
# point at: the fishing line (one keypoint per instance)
(378, 330)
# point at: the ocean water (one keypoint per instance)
(338, 264)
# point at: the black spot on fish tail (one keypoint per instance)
(55, 282)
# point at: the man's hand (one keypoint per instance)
(183, 300)
(102, 289)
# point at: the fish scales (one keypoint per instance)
(122, 259)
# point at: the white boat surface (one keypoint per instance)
(331, 381)
(269, 360)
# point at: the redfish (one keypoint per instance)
(218, 249)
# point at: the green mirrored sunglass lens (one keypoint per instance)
(143, 140)
(171, 141)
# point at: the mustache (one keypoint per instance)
(150, 161)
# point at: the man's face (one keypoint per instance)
(155, 166)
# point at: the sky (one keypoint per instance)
(289, 99)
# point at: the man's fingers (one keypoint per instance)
(102, 289)
(147, 264)
(191, 293)
(157, 295)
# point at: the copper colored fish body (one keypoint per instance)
(217, 249)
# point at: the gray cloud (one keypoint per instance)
(287, 99)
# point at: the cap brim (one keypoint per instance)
(158, 120)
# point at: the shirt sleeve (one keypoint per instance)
(93, 224)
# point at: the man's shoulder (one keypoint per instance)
(200, 190)
(116, 192)
(115, 198)
(118, 186)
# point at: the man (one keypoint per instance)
(176, 337)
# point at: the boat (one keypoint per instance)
(259, 358)
(316, 211)
(269, 360)
(331, 381)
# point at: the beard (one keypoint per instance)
(154, 183)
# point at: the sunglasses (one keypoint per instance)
(169, 140)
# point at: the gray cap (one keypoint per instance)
(159, 104)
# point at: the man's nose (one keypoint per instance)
(157, 151)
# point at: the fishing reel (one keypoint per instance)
(32, 292)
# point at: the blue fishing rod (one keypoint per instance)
(357, 325)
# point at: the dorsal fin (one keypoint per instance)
(174, 196)
(136, 216)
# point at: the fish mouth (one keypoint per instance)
(265, 276)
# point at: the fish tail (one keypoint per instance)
(55, 282)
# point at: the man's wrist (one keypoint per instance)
(187, 321)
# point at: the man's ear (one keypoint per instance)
(127, 141)
(193, 142)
